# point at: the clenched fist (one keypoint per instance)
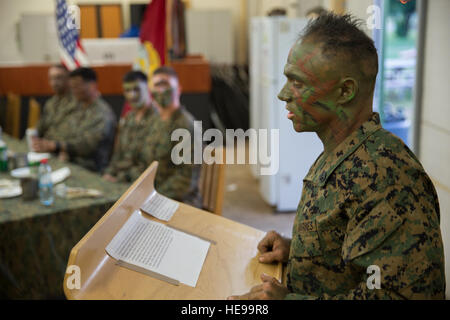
(274, 248)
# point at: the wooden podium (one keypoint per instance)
(231, 266)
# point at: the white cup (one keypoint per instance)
(30, 133)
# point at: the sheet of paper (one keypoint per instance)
(158, 248)
(60, 175)
(160, 206)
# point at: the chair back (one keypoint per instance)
(12, 125)
(212, 181)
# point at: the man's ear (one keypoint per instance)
(349, 89)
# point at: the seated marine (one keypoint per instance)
(86, 135)
(129, 159)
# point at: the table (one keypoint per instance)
(35, 240)
(231, 265)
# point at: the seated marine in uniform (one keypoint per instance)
(129, 159)
(58, 106)
(87, 133)
(367, 225)
(176, 181)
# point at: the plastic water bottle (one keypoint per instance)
(45, 183)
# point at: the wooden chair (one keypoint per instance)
(34, 113)
(212, 181)
(12, 125)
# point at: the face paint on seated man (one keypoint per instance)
(177, 181)
(129, 159)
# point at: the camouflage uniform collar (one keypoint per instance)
(94, 102)
(320, 173)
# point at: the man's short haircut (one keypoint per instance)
(166, 70)
(133, 76)
(340, 35)
(87, 74)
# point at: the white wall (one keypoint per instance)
(358, 8)
(238, 13)
(11, 10)
(242, 10)
(435, 115)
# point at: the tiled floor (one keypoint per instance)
(244, 203)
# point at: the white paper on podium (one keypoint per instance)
(158, 248)
(159, 206)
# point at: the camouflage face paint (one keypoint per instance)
(311, 91)
(303, 90)
(165, 90)
(136, 93)
(163, 98)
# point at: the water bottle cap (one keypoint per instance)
(44, 161)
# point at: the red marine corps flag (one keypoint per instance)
(161, 32)
(153, 51)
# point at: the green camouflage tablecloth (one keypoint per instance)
(35, 240)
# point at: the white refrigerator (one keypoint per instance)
(270, 41)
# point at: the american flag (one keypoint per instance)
(70, 50)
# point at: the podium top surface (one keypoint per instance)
(231, 265)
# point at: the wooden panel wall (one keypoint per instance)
(111, 21)
(194, 77)
(33, 80)
(88, 22)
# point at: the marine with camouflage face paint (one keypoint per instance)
(179, 182)
(129, 159)
(366, 200)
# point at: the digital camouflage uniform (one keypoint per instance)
(89, 133)
(368, 203)
(129, 160)
(55, 111)
(179, 182)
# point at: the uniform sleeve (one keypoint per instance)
(136, 171)
(88, 139)
(130, 167)
(45, 121)
(112, 167)
(184, 178)
(398, 234)
(178, 185)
